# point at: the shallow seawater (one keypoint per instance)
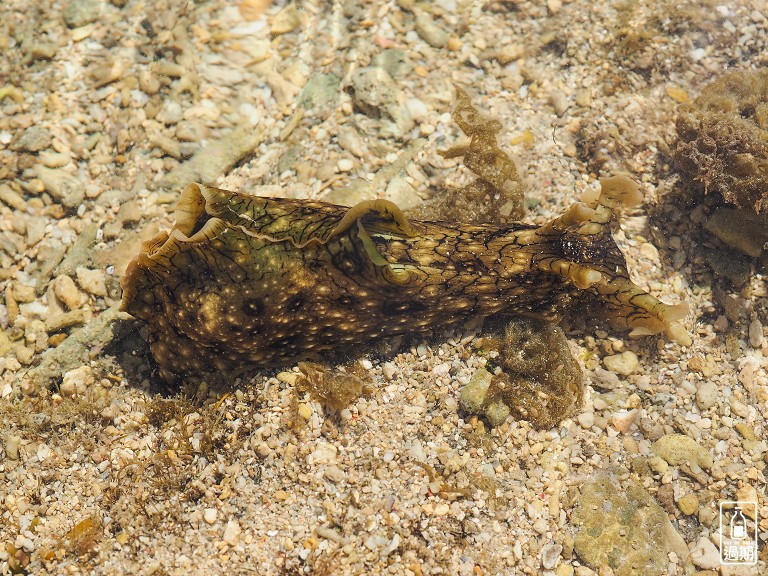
(429, 451)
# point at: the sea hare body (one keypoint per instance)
(242, 280)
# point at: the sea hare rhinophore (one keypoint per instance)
(242, 280)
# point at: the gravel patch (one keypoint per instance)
(108, 108)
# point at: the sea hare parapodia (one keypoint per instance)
(242, 280)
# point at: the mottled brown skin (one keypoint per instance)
(248, 281)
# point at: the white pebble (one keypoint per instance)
(232, 533)
(698, 53)
(28, 544)
(706, 395)
(209, 515)
(345, 165)
(550, 555)
(389, 370)
(76, 381)
(441, 369)
(705, 554)
(417, 108)
(586, 420)
(92, 281)
(624, 363)
(739, 408)
(541, 526)
(392, 546)
(325, 453)
(43, 452)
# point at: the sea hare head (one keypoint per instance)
(194, 225)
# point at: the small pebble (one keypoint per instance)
(92, 281)
(605, 379)
(679, 448)
(33, 139)
(688, 504)
(54, 159)
(755, 333)
(209, 515)
(559, 102)
(430, 32)
(739, 408)
(623, 420)
(328, 534)
(541, 526)
(583, 97)
(705, 554)
(65, 290)
(586, 420)
(81, 12)
(720, 324)
(11, 445)
(76, 382)
(263, 449)
(394, 60)
(285, 20)
(625, 363)
(550, 555)
(12, 198)
(345, 165)
(231, 532)
(706, 395)
(472, 395)
(442, 509)
(745, 430)
(747, 493)
(251, 10)
(305, 411)
(62, 186)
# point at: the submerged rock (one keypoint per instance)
(540, 380)
(723, 140)
(679, 448)
(620, 525)
(375, 94)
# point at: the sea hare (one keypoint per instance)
(242, 280)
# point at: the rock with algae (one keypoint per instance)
(723, 141)
(331, 387)
(679, 448)
(540, 380)
(619, 524)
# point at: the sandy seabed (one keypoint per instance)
(107, 109)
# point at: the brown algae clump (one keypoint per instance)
(723, 141)
(332, 387)
(540, 380)
(496, 195)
